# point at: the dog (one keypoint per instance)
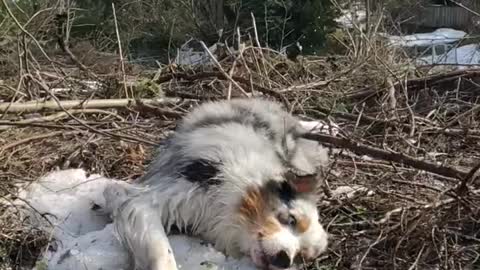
(235, 173)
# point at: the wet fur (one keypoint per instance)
(223, 177)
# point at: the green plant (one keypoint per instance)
(281, 23)
(41, 265)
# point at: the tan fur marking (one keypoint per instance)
(252, 205)
(302, 224)
(254, 211)
(269, 227)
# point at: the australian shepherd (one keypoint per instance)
(237, 174)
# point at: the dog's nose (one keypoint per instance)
(281, 260)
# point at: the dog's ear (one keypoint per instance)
(302, 184)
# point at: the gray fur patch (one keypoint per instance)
(241, 116)
(231, 132)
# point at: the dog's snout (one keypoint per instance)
(281, 260)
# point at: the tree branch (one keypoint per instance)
(35, 106)
(361, 149)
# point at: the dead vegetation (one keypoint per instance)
(407, 150)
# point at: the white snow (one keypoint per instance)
(441, 48)
(192, 53)
(467, 55)
(84, 238)
(350, 18)
(439, 36)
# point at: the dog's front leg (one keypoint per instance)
(139, 227)
(160, 252)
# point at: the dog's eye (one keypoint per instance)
(288, 219)
(292, 221)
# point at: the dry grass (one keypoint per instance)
(406, 218)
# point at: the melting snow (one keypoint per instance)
(83, 238)
(465, 55)
(349, 18)
(439, 36)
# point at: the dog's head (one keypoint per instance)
(283, 222)
(269, 172)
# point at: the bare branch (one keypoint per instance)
(361, 149)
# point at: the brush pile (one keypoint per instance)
(407, 150)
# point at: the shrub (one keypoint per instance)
(281, 23)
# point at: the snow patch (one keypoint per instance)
(83, 237)
(352, 18)
(439, 36)
(467, 55)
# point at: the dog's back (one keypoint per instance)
(217, 132)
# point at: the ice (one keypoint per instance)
(439, 36)
(83, 237)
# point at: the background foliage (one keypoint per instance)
(282, 23)
(154, 28)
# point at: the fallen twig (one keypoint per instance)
(220, 75)
(463, 187)
(120, 51)
(386, 155)
(38, 137)
(35, 106)
(10, 13)
(81, 122)
(224, 73)
(61, 115)
(387, 217)
(63, 43)
(368, 120)
(422, 83)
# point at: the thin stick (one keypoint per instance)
(35, 106)
(390, 156)
(106, 133)
(388, 215)
(241, 49)
(257, 41)
(410, 110)
(463, 187)
(240, 55)
(58, 116)
(120, 52)
(475, 109)
(224, 73)
(38, 137)
(62, 40)
(25, 31)
(466, 8)
(392, 101)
